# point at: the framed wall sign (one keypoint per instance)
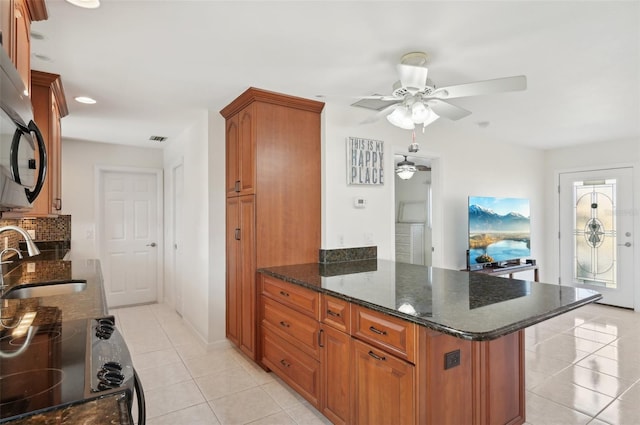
(365, 161)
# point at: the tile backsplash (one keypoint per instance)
(46, 229)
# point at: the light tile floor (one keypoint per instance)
(582, 367)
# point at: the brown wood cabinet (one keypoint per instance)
(240, 289)
(15, 25)
(267, 135)
(383, 387)
(241, 159)
(335, 367)
(49, 107)
(362, 366)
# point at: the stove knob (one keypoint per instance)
(113, 366)
(109, 378)
(109, 320)
(104, 387)
(104, 331)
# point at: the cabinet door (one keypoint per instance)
(244, 239)
(335, 367)
(55, 153)
(384, 387)
(247, 268)
(233, 157)
(22, 58)
(41, 100)
(233, 273)
(247, 151)
(240, 159)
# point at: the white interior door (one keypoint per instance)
(596, 233)
(129, 231)
(178, 217)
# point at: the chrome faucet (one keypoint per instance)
(32, 249)
(24, 324)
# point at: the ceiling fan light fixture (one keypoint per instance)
(401, 117)
(405, 169)
(419, 112)
(431, 117)
(405, 172)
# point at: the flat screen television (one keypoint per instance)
(499, 229)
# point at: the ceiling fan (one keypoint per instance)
(405, 168)
(416, 100)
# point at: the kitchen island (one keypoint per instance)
(53, 379)
(376, 341)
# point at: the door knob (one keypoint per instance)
(627, 244)
(152, 244)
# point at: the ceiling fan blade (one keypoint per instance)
(381, 113)
(386, 98)
(413, 76)
(423, 168)
(478, 88)
(447, 110)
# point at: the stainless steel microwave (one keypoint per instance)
(23, 156)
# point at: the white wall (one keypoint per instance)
(467, 163)
(79, 160)
(201, 150)
(584, 157)
(217, 223)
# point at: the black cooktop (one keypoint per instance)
(62, 365)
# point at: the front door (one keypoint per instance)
(129, 236)
(596, 233)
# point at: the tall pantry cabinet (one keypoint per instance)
(273, 197)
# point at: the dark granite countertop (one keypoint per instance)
(111, 409)
(51, 313)
(89, 303)
(471, 306)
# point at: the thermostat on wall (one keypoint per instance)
(359, 202)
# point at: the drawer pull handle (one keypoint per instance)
(377, 357)
(377, 331)
(237, 234)
(333, 313)
(285, 363)
(284, 324)
(284, 294)
(320, 338)
(236, 186)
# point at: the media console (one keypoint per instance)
(507, 269)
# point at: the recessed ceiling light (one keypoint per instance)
(87, 4)
(85, 100)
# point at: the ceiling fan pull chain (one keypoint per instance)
(413, 147)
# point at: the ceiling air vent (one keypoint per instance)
(157, 138)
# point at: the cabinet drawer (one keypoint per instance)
(298, 329)
(394, 335)
(300, 299)
(336, 313)
(297, 369)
